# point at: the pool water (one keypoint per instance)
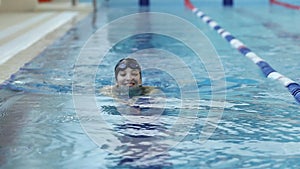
(259, 123)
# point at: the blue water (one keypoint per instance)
(42, 125)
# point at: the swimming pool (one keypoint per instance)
(258, 126)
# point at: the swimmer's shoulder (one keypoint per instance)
(142, 91)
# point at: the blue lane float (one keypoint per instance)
(269, 72)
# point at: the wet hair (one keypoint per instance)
(125, 63)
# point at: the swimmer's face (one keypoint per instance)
(129, 77)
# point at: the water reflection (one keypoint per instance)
(137, 135)
(142, 144)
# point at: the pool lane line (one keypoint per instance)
(287, 5)
(269, 72)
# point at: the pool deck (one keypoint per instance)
(23, 35)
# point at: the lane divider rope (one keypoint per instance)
(269, 72)
(287, 5)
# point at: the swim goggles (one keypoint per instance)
(131, 65)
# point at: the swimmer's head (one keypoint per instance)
(128, 73)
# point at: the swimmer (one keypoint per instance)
(128, 78)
